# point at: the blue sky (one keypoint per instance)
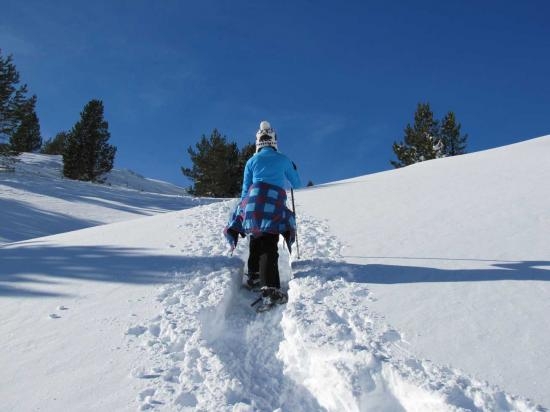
(339, 81)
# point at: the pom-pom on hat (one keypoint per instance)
(266, 136)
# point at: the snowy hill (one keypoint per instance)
(37, 201)
(419, 289)
(456, 253)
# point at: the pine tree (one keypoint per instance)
(56, 145)
(26, 136)
(453, 142)
(73, 166)
(9, 78)
(420, 142)
(18, 119)
(217, 167)
(87, 154)
(246, 152)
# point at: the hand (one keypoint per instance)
(234, 235)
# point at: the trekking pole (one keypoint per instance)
(294, 211)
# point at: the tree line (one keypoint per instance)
(218, 164)
(87, 154)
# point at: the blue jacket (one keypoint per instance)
(269, 166)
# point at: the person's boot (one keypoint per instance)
(253, 281)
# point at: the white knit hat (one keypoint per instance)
(266, 136)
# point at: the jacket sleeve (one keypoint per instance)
(247, 179)
(292, 175)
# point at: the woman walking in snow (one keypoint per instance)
(262, 212)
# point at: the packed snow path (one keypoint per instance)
(324, 350)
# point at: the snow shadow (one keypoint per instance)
(394, 274)
(21, 221)
(38, 270)
(126, 200)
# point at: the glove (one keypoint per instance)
(232, 236)
(290, 238)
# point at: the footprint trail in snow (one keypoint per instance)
(324, 350)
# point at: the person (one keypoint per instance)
(262, 213)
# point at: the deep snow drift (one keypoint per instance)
(421, 289)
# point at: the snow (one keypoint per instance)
(420, 289)
(37, 201)
(455, 251)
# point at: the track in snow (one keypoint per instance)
(324, 350)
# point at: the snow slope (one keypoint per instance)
(37, 201)
(456, 253)
(420, 289)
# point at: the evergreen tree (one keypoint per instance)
(19, 125)
(87, 154)
(26, 136)
(217, 167)
(9, 78)
(421, 139)
(245, 153)
(18, 119)
(73, 167)
(453, 142)
(56, 145)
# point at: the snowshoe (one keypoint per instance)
(269, 297)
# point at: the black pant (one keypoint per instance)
(264, 259)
